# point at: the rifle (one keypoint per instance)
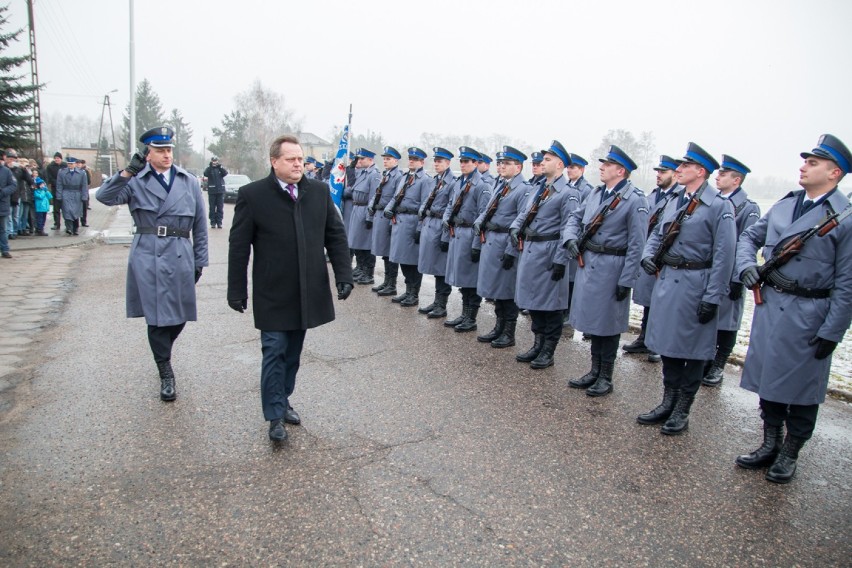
(655, 218)
(531, 216)
(674, 229)
(794, 246)
(400, 196)
(457, 207)
(431, 199)
(593, 227)
(492, 209)
(378, 196)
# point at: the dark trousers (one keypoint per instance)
(548, 323)
(506, 309)
(365, 259)
(40, 219)
(684, 374)
(470, 297)
(441, 286)
(282, 351)
(605, 347)
(412, 275)
(391, 268)
(57, 211)
(725, 340)
(217, 207)
(567, 313)
(161, 339)
(800, 419)
(84, 218)
(646, 312)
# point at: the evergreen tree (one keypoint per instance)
(149, 113)
(16, 98)
(183, 136)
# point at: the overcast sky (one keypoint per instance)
(757, 79)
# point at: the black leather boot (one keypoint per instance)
(784, 467)
(367, 276)
(379, 287)
(533, 352)
(458, 320)
(428, 308)
(413, 298)
(545, 356)
(389, 289)
(440, 309)
(679, 419)
(603, 384)
(765, 455)
(469, 322)
(401, 297)
(714, 377)
(167, 381)
(638, 345)
(589, 378)
(499, 325)
(662, 412)
(507, 338)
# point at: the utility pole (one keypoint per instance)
(132, 142)
(39, 151)
(107, 106)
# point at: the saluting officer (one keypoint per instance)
(468, 199)
(657, 201)
(164, 264)
(806, 309)
(432, 236)
(611, 257)
(367, 181)
(535, 235)
(483, 165)
(576, 178)
(71, 183)
(402, 211)
(497, 269)
(537, 160)
(729, 182)
(694, 275)
(381, 225)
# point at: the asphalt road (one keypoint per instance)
(419, 446)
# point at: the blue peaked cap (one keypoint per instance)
(731, 163)
(831, 148)
(700, 156)
(617, 156)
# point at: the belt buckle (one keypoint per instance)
(778, 289)
(162, 231)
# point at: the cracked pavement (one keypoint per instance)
(418, 446)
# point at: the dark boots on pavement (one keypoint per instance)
(167, 381)
(529, 355)
(589, 378)
(784, 467)
(765, 455)
(662, 412)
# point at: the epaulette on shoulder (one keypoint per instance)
(638, 191)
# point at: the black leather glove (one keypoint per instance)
(558, 272)
(507, 261)
(474, 254)
(750, 276)
(648, 266)
(825, 347)
(621, 293)
(573, 249)
(197, 274)
(444, 246)
(513, 236)
(238, 305)
(388, 214)
(137, 163)
(477, 229)
(445, 225)
(343, 290)
(416, 237)
(371, 211)
(736, 291)
(706, 312)
(369, 224)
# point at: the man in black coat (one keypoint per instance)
(290, 222)
(215, 174)
(52, 171)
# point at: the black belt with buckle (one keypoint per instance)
(541, 238)
(162, 231)
(784, 285)
(600, 249)
(360, 204)
(496, 228)
(464, 224)
(437, 215)
(406, 211)
(690, 265)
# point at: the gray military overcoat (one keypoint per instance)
(645, 283)
(461, 270)
(431, 259)
(381, 226)
(403, 249)
(746, 214)
(70, 186)
(364, 188)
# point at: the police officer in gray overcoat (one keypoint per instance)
(806, 309)
(402, 211)
(381, 226)
(536, 161)
(694, 276)
(433, 237)
(576, 175)
(71, 183)
(542, 263)
(367, 180)
(729, 181)
(657, 201)
(601, 303)
(169, 248)
(467, 201)
(483, 165)
(497, 268)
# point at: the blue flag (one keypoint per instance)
(337, 176)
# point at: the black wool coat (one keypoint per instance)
(291, 288)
